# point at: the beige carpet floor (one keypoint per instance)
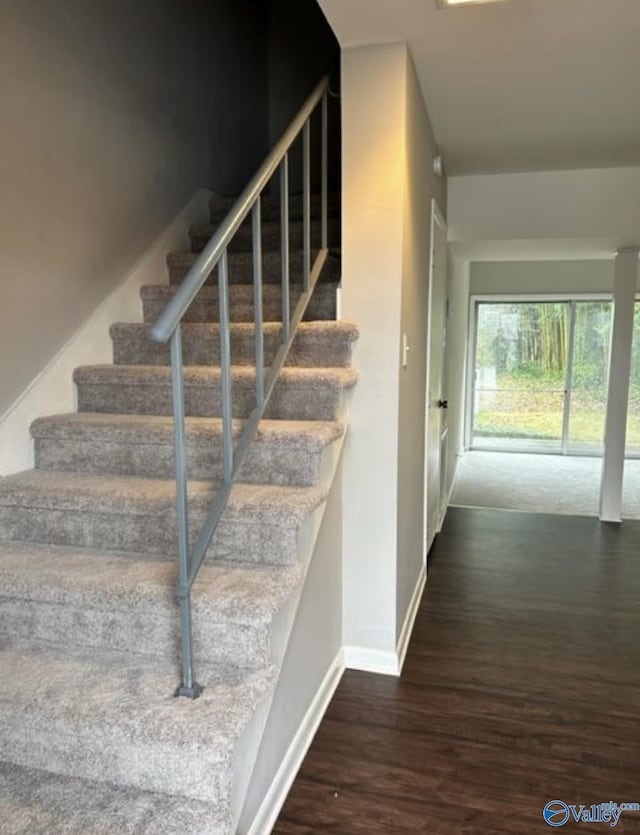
(539, 483)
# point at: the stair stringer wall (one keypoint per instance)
(53, 390)
(306, 638)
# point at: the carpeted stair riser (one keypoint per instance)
(201, 233)
(258, 526)
(322, 305)
(315, 345)
(76, 598)
(113, 628)
(105, 755)
(241, 269)
(34, 802)
(97, 718)
(155, 535)
(299, 394)
(143, 446)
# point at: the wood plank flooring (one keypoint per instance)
(521, 686)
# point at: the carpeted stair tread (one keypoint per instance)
(205, 376)
(241, 267)
(34, 802)
(322, 305)
(90, 714)
(300, 393)
(48, 489)
(152, 429)
(316, 344)
(283, 452)
(80, 597)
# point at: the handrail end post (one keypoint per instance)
(188, 688)
(193, 692)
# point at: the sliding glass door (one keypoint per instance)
(587, 386)
(539, 375)
(519, 374)
(633, 417)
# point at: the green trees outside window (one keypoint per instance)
(540, 375)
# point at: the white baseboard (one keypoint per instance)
(613, 518)
(410, 619)
(53, 391)
(385, 662)
(381, 662)
(276, 795)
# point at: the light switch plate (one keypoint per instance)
(405, 350)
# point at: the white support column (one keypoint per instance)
(625, 284)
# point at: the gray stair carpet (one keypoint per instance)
(42, 803)
(92, 738)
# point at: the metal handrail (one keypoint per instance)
(168, 327)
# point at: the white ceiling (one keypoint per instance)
(523, 85)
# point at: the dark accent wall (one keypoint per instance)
(113, 115)
(302, 48)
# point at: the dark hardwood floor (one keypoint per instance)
(521, 686)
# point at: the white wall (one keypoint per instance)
(113, 115)
(521, 277)
(387, 149)
(552, 205)
(373, 131)
(420, 185)
(311, 653)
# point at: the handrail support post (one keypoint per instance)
(225, 367)
(188, 687)
(306, 203)
(324, 233)
(257, 300)
(284, 246)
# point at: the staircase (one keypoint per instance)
(92, 738)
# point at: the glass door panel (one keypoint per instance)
(591, 339)
(520, 375)
(633, 418)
